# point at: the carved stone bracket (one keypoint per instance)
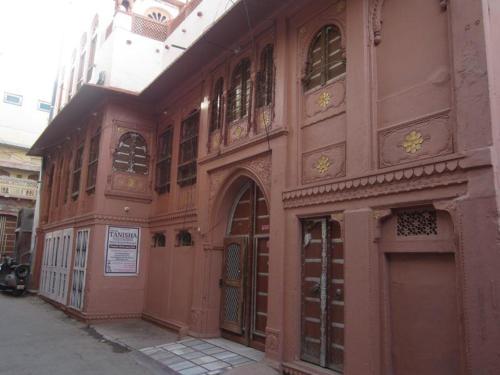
(377, 21)
(378, 218)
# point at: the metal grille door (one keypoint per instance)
(232, 285)
(79, 269)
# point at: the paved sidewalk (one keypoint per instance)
(36, 338)
(187, 356)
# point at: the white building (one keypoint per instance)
(128, 43)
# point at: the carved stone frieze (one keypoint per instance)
(260, 166)
(325, 163)
(404, 180)
(432, 136)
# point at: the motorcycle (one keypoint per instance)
(14, 277)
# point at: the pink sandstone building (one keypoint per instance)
(315, 179)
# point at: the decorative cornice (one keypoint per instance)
(94, 219)
(448, 172)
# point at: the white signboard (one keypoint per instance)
(122, 251)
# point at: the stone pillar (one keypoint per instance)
(359, 256)
(358, 91)
(476, 219)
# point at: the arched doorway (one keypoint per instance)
(245, 270)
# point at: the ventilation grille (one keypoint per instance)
(417, 223)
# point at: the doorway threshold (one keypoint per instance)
(203, 356)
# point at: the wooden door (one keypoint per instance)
(232, 284)
(423, 314)
(244, 298)
(322, 309)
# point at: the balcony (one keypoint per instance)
(11, 187)
(139, 25)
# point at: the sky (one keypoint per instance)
(32, 33)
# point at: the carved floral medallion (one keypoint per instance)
(413, 142)
(323, 164)
(324, 99)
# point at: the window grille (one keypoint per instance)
(77, 171)
(131, 154)
(217, 105)
(184, 238)
(159, 240)
(416, 223)
(239, 94)
(93, 160)
(325, 60)
(265, 77)
(13, 99)
(44, 106)
(164, 163)
(188, 151)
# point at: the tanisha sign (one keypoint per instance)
(122, 251)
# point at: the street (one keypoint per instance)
(36, 338)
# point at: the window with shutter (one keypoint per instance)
(325, 60)
(188, 151)
(77, 171)
(163, 165)
(265, 77)
(239, 94)
(217, 105)
(131, 154)
(93, 161)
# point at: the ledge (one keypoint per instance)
(237, 147)
(381, 183)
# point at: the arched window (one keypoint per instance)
(239, 95)
(93, 160)
(265, 77)
(158, 15)
(325, 59)
(217, 104)
(93, 47)
(188, 150)
(159, 239)
(184, 238)
(131, 154)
